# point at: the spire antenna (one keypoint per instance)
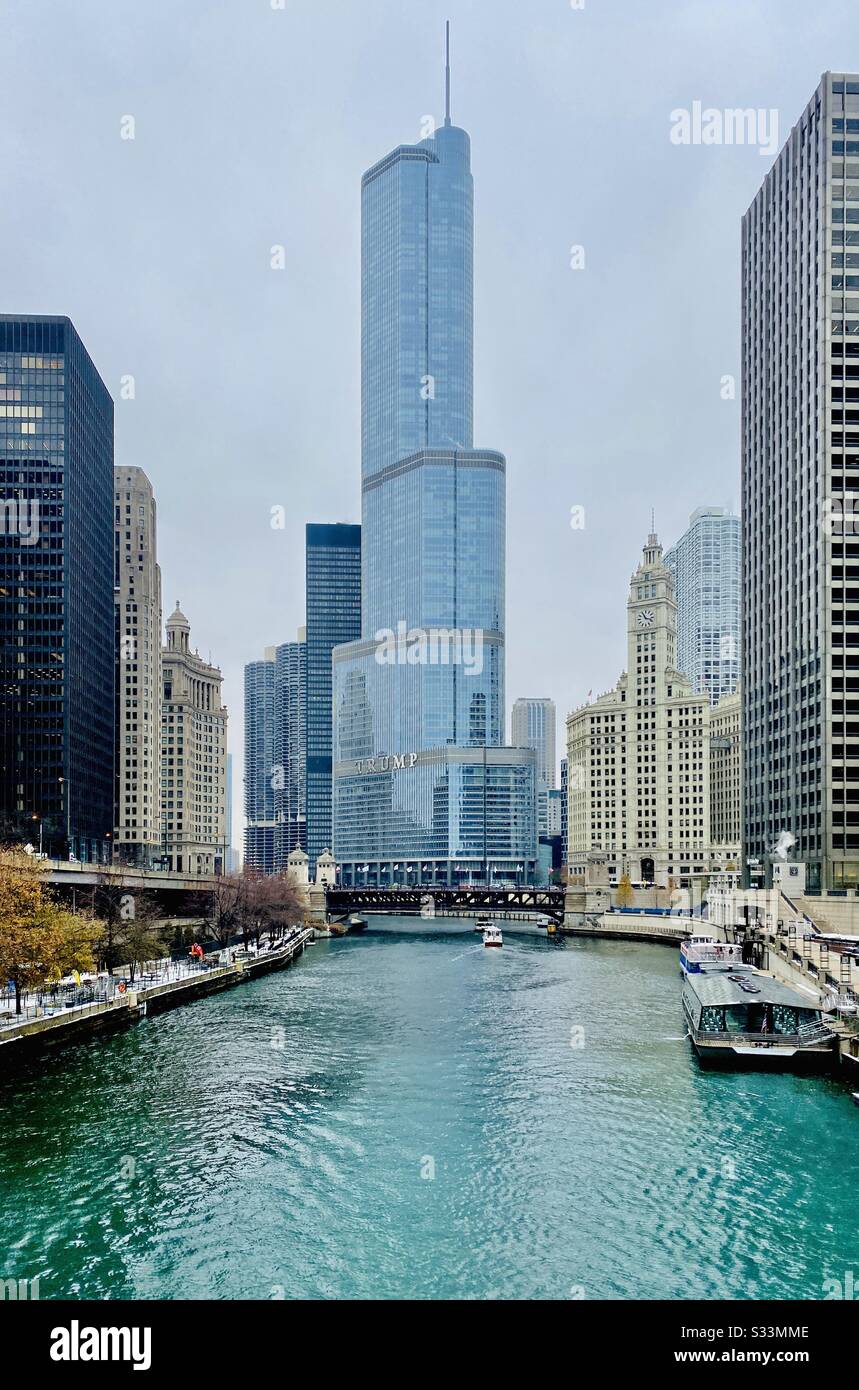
(447, 73)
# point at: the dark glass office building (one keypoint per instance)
(56, 583)
(333, 560)
(290, 750)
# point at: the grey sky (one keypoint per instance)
(253, 126)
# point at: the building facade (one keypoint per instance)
(260, 763)
(726, 786)
(56, 574)
(800, 443)
(193, 757)
(290, 750)
(705, 563)
(639, 756)
(333, 589)
(533, 726)
(138, 686)
(423, 789)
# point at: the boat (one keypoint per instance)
(357, 924)
(492, 937)
(856, 1097)
(739, 1014)
(483, 922)
(700, 953)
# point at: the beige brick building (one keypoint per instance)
(193, 756)
(137, 609)
(726, 782)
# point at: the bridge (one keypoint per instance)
(430, 901)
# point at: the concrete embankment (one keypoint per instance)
(24, 1038)
(633, 926)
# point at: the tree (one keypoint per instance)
(268, 904)
(625, 892)
(131, 926)
(39, 939)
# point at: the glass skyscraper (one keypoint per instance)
(56, 581)
(333, 587)
(705, 563)
(259, 764)
(423, 789)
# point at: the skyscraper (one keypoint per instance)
(56, 578)
(533, 726)
(290, 749)
(260, 763)
(424, 791)
(705, 563)
(333, 588)
(800, 432)
(193, 757)
(137, 605)
(639, 756)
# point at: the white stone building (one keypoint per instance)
(137, 609)
(639, 756)
(193, 757)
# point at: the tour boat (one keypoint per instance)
(739, 1014)
(700, 953)
(483, 922)
(492, 937)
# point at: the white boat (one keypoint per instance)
(492, 937)
(482, 922)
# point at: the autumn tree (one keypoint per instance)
(39, 939)
(625, 892)
(131, 927)
(269, 904)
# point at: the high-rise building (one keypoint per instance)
(705, 563)
(726, 821)
(233, 859)
(290, 750)
(333, 587)
(193, 757)
(565, 805)
(533, 726)
(639, 756)
(260, 770)
(137, 608)
(800, 441)
(56, 578)
(424, 790)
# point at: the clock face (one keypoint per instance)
(645, 617)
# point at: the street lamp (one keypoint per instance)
(36, 816)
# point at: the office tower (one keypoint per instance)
(639, 756)
(193, 757)
(56, 577)
(534, 727)
(705, 563)
(260, 772)
(290, 749)
(333, 588)
(726, 761)
(137, 608)
(424, 790)
(800, 442)
(565, 804)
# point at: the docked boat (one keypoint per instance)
(738, 1014)
(700, 953)
(492, 936)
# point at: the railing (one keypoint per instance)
(808, 1035)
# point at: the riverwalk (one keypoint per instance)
(164, 986)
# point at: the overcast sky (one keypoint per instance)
(253, 125)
